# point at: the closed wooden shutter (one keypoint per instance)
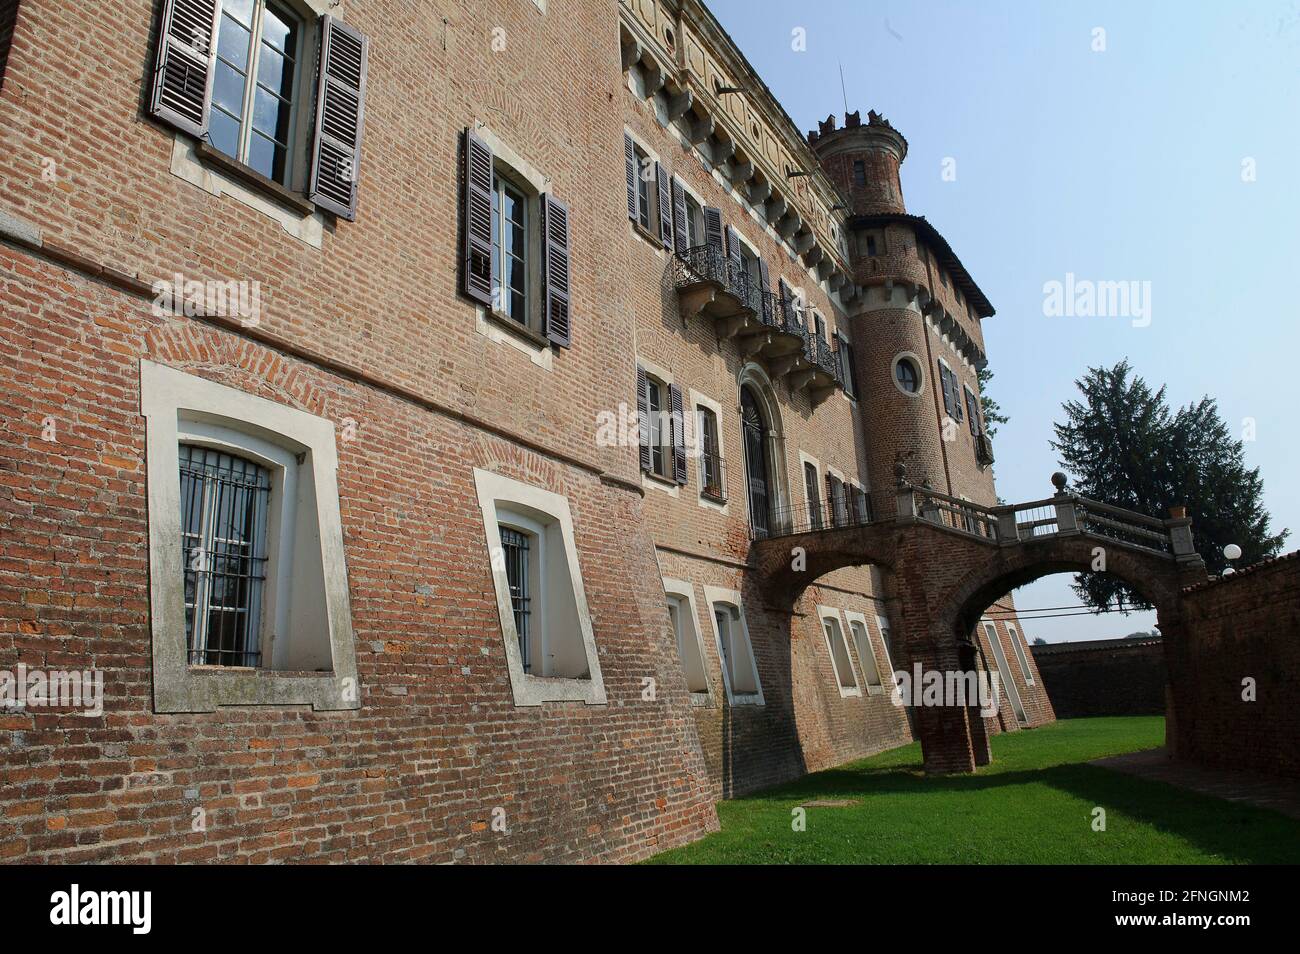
(643, 416)
(681, 228)
(677, 411)
(479, 265)
(340, 118)
(833, 498)
(713, 229)
(181, 91)
(555, 226)
(629, 153)
(665, 206)
(764, 276)
(946, 384)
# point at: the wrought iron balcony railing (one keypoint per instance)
(708, 263)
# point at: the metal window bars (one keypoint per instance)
(224, 503)
(515, 546)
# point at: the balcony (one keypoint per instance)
(712, 285)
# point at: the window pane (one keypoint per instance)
(266, 157)
(279, 28)
(224, 132)
(271, 115)
(241, 10)
(228, 89)
(275, 72)
(233, 42)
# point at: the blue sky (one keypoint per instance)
(1125, 164)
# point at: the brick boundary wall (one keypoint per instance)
(1104, 677)
(1244, 626)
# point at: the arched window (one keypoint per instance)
(754, 429)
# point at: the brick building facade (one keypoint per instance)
(386, 304)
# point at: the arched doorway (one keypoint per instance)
(758, 484)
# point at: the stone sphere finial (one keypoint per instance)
(1059, 480)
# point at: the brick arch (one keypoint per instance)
(1157, 579)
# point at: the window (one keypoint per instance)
(712, 482)
(690, 650)
(972, 411)
(1017, 644)
(848, 368)
(887, 640)
(866, 652)
(951, 391)
(859, 172)
(254, 94)
(735, 653)
(861, 505)
(839, 513)
(248, 582)
(224, 505)
(841, 663)
(1004, 673)
(655, 394)
(819, 324)
(694, 222)
(549, 644)
(644, 170)
(812, 491)
(943, 278)
(510, 241)
(906, 376)
(516, 545)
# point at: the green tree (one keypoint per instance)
(1124, 446)
(993, 415)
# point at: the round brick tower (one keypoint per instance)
(901, 419)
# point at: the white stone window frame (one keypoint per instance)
(1018, 644)
(882, 622)
(918, 364)
(828, 613)
(527, 340)
(183, 407)
(701, 401)
(713, 596)
(686, 591)
(851, 617)
(493, 489)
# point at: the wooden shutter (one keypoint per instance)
(643, 416)
(946, 384)
(678, 432)
(733, 248)
(956, 396)
(972, 411)
(479, 264)
(665, 206)
(713, 229)
(555, 237)
(833, 498)
(340, 118)
(765, 279)
(681, 228)
(181, 91)
(629, 152)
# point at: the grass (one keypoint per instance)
(1033, 805)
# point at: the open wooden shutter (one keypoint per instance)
(629, 153)
(765, 280)
(956, 396)
(733, 248)
(340, 118)
(479, 265)
(713, 229)
(643, 416)
(665, 206)
(833, 498)
(946, 384)
(679, 433)
(555, 225)
(972, 412)
(181, 91)
(681, 228)
(8, 23)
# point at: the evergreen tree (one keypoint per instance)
(1123, 446)
(992, 411)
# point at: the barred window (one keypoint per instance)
(224, 501)
(516, 549)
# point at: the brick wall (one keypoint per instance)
(1244, 627)
(1104, 677)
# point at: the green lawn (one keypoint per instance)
(1033, 805)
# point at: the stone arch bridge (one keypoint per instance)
(945, 560)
